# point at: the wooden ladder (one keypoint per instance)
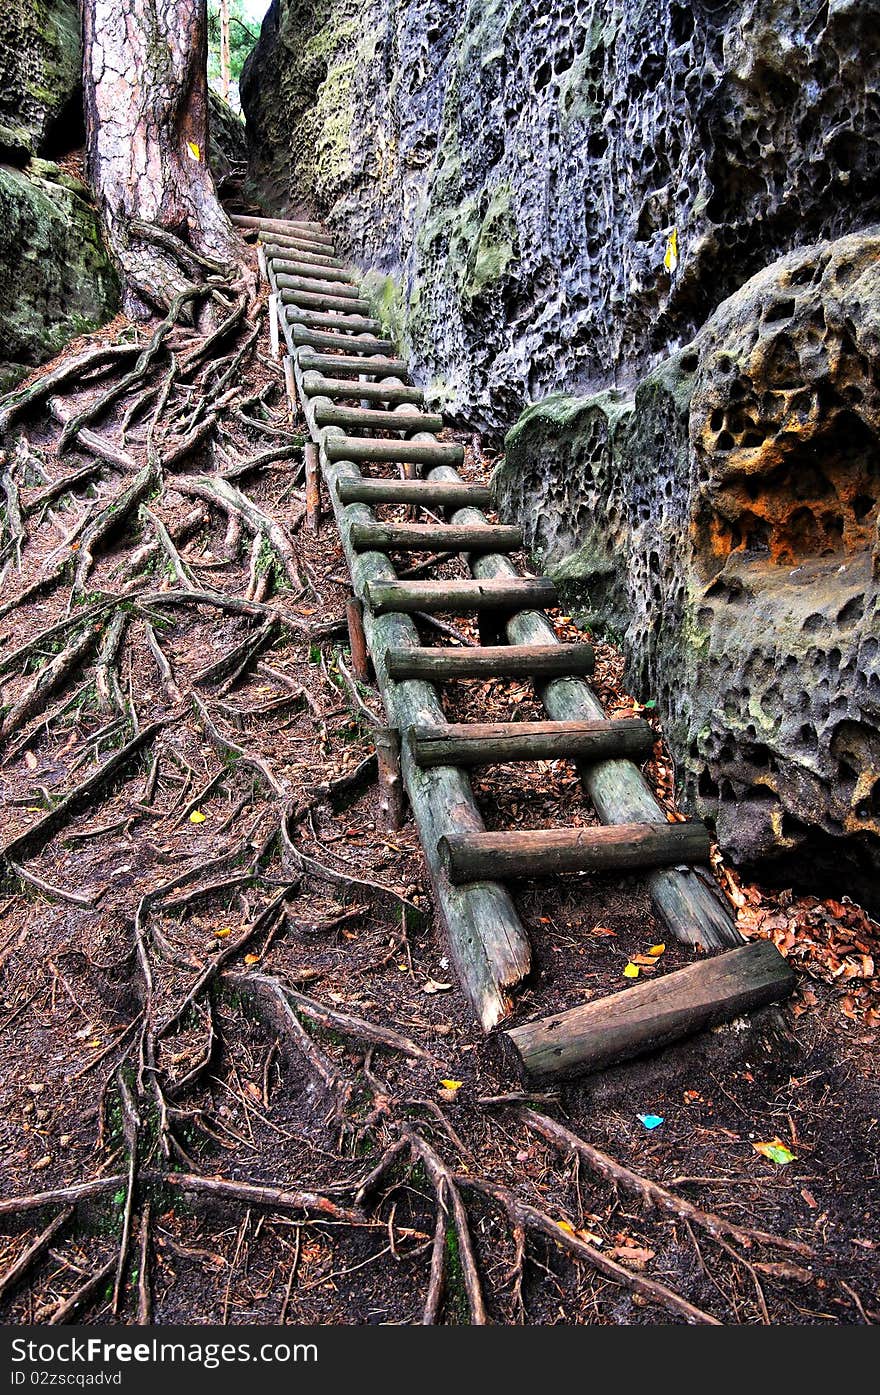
(353, 385)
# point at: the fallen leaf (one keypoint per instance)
(432, 986)
(776, 1151)
(252, 958)
(633, 1256)
(631, 971)
(197, 816)
(779, 1269)
(809, 1198)
(656, 950)
(223, 934)
(452, 1085)
(30, 760)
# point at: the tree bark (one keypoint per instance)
(146, 103)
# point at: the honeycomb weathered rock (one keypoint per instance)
(725, 522)
(40, 67)
(519, 170)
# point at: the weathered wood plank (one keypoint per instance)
(334, 388)
(488, 743)
(320, 300)
(435, 537)
(314, 319)
(293, 225)
(652, 1013)
(409, 597)
(376, 367)
(369, 419)
(412, 452)
(423, 493)
(536, 661)
(279, 247)
(544, 852)
(321, 339)
(309, 277)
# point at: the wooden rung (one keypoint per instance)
(317, 339)
(429, 494)
(365, 419)
(334, 388)
(308, 276)
(281, 225)
(319, 300)
(313, 319)
(281, 247)
(408, 597)
(544, 852)
(409, 452)
(538, 661)
(490, 743)
(434, 537)
(652, 1013)
(314, 283)
(353, 367)
(299, 242)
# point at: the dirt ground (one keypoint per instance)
(183, 950)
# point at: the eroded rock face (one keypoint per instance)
(56, 280)
(519, 170)
(724, 521)
(40, 74)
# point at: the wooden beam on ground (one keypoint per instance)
(489, 743)
(310, 275)
(392, 796)
(652, 1013)
(545, 852)
(410, 597)
(357, 640)
(348, 343)
(313, 486)
(278, 248)
(539, 662)
(338, 320)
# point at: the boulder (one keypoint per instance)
(56, 280)
(722, 521)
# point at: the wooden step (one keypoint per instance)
(652, 1013)
(544, 852)
(283, 247)
(354, 367)
(406, 452)
(434, 537)
(309, 276)
(300, 243)
(316, 285)
(540, 662)
(364, 419)
(490, 743)
(313, 319)
(429, 494)
(319, 300)
(408, 597)
(282, 225)
(317, 339)
(316, 386)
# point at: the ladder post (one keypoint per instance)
(360, 663)
(392, 798)
(313, 490)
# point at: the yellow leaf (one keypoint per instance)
(631, 971)
(452, 1084)
(252, 958)
(197, 816)
(223, 934)
(776, 1151)
(670, 259)
(567, 1227)
(657, 950)
(193, 150)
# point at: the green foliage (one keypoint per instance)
(243, 34)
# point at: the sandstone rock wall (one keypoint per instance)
(723, 520)
(40, 72)
(519, 168)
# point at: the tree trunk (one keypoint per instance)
(146, 103)
(224, 49)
